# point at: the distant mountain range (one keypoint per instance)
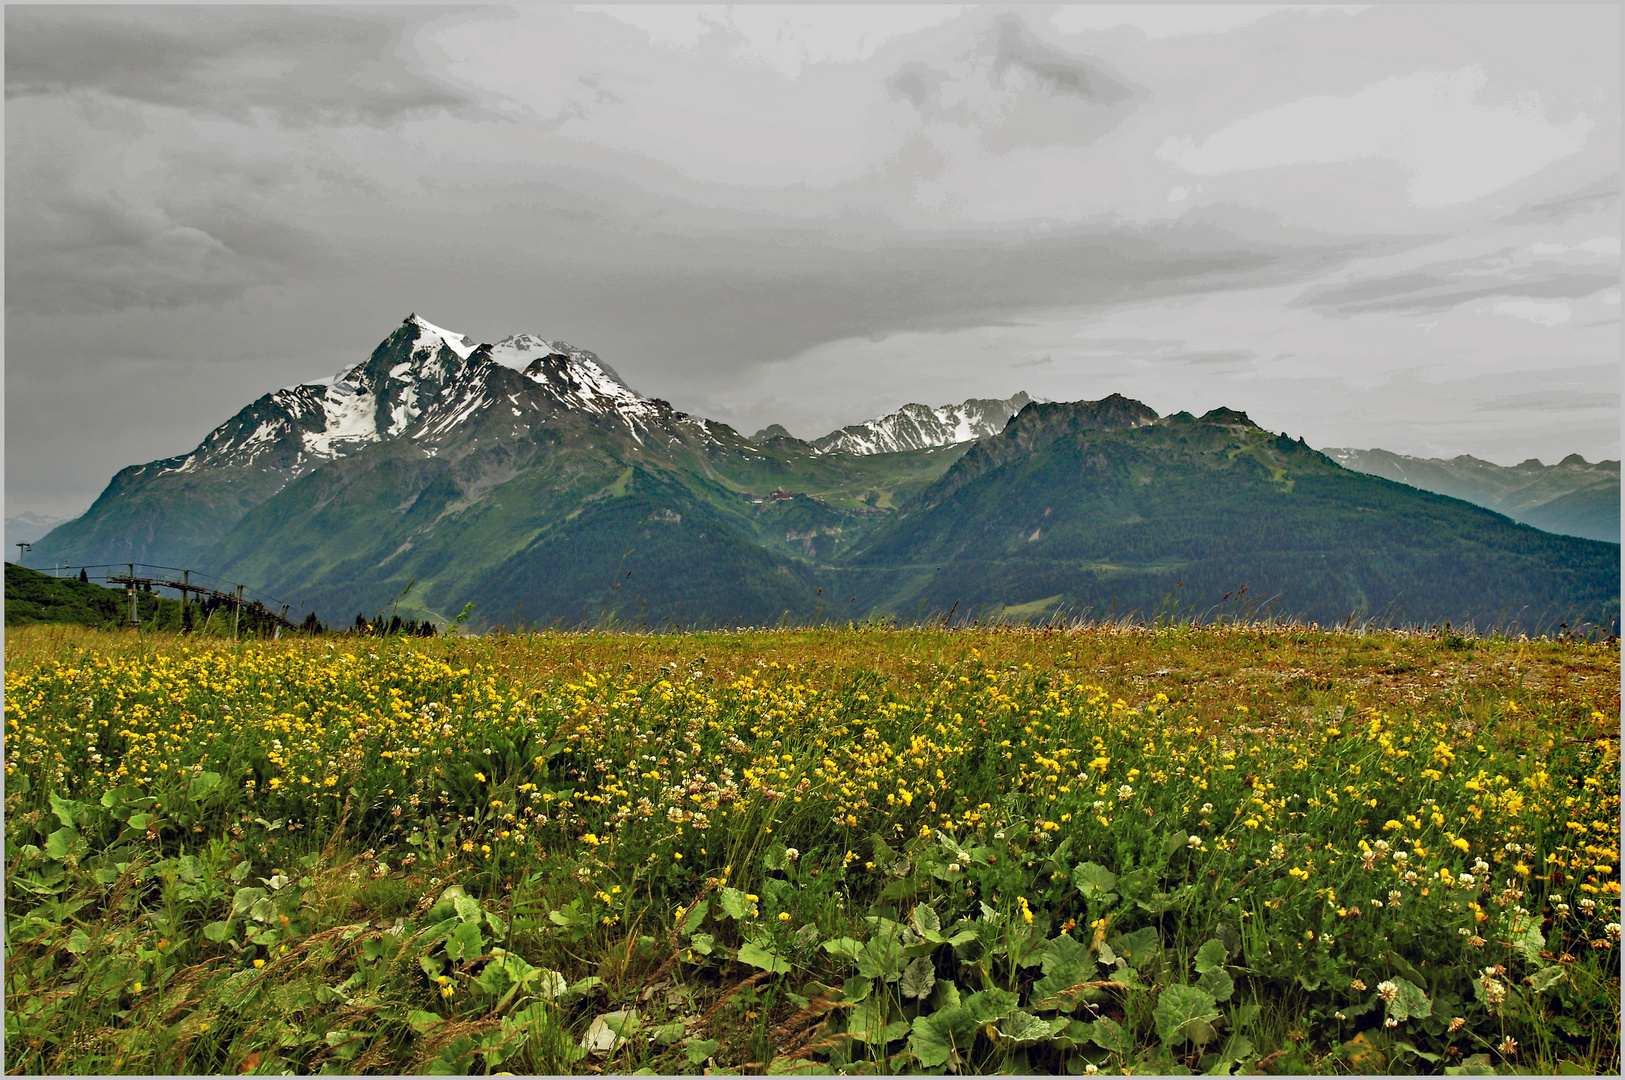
(1574, 497)
(914, 427)
(527, 478)
(26, 527)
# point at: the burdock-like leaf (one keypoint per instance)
(1210, 956)
(1178, 1008)
(918, 978)
(758, 955)
(1410, 1002)
(1094, 881)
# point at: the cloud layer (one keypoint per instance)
(811, 215)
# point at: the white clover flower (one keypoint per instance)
(1195, 843)
(1388, 990)
(791, 854)
(1125, 792)
(1207, 808)
(1467, 881)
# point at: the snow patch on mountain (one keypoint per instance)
(915, 426)
(350, 420)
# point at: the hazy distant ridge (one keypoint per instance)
(1572, 498)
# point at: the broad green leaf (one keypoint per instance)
(580, 988)
(1530, 943)
(757, 955)
(1138, 946)
(666, 1034)
(67, 811)
(218, 932)
(465, 942)
(1065, 950)
(1476, 1065)
(115, 798)
(139, 822)
(78, 942)
(550, 985)
(918, 978)
(202, 784)
(934, 1038)
(1094, 881)
(1546, 978)
(945, 994)
(701, 1049)
(774, 857)
(60, 844)
(1175, 842)
(856, 988)
(423, 1020)
(468, 908)
(1211, 956)
(1024, 1027)
(1217, 982)
(1410, 1048)
(844, 946)
(734, 905)
(1062, 988)
(245, 899)
(1410, 1002)
(927, 922)
(986, 1006)
(1108, 1034)
(695, 916)
(881, 958)
(1237, 1048)
(1177, 1007)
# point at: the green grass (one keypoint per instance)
(829, 850)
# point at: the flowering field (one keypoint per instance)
(1228, 850)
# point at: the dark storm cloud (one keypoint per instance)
(727, 302)
(302, 65)
(1435, 291)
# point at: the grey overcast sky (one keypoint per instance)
(1390, 226)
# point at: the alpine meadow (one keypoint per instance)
(920, 539)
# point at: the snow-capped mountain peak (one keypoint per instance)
(425, 382)
(915, 426)
(432, 336)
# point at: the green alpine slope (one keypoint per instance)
(1090, 507)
